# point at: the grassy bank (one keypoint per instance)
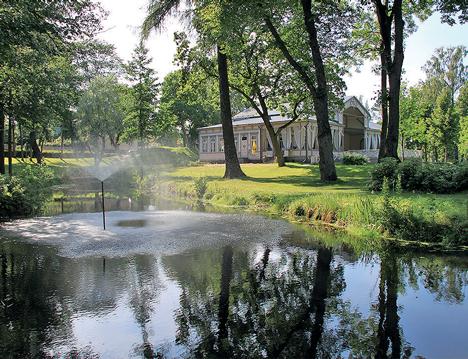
(295, 191)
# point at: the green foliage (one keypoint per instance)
(422, 223)
(25, 194)
(415, 175)
(141, 122)
(432, 118)
(200, 185)
(386, 169)
(354, 159)
(462, 111)
(101, 114)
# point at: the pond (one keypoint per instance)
(178, 283)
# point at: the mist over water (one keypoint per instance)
(147, 232)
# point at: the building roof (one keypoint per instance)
(374, 126)
(250, 116)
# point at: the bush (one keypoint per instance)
(354, 159)
(26, 193)
(414, 175)
(410, 174)
(386, 169)
(201, 185)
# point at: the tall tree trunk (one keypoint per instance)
(393, 67)
(10, 146)
(319, 94)
(14, 139)
(277, 150)
(2, 139)
(233, 169)
(21, 141)
(326, 162)
(383, 107)
(184, 133)
(34, 147)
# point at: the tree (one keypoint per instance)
(317, 54)
(415, 111)
(143, 92)
(44, 28)
(158, 10)
(394, 21)
(429, 113)
(444, 124)
(446, 70)
(188, 103)
(462, 109)
(263, 77)
(101, 115)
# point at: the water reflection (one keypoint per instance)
(239, 300)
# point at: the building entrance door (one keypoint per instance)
(244, 152)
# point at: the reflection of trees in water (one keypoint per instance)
(31, 316)
(40, 293)
(445, 277)
(291, 305)
(145, 286)
(275, 308)
(388, 332)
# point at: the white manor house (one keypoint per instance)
(352, 131)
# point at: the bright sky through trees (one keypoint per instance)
(121, 29)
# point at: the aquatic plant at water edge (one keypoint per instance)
(201, 185)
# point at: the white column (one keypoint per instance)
(314, 136)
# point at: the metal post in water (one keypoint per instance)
(103, 210)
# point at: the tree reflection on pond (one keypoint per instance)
(253, 301)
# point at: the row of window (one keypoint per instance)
(212, 143)
(215, 143)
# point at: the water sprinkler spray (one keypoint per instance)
(103, 210)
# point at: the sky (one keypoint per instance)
(121, 28)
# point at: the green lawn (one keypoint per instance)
(296, 191)
(293, 179)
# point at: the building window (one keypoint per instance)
(253, 144)
(220, 144)
(212, 143)
(204, 144)
(293, 140)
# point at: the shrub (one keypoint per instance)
(26, 193)
(201, 185)
(354, 159)
(461, 177)
(386, 169)
(414, 175)
(410, 174)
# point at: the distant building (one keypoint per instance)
(352, 131)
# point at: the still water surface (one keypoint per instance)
(173, 284)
